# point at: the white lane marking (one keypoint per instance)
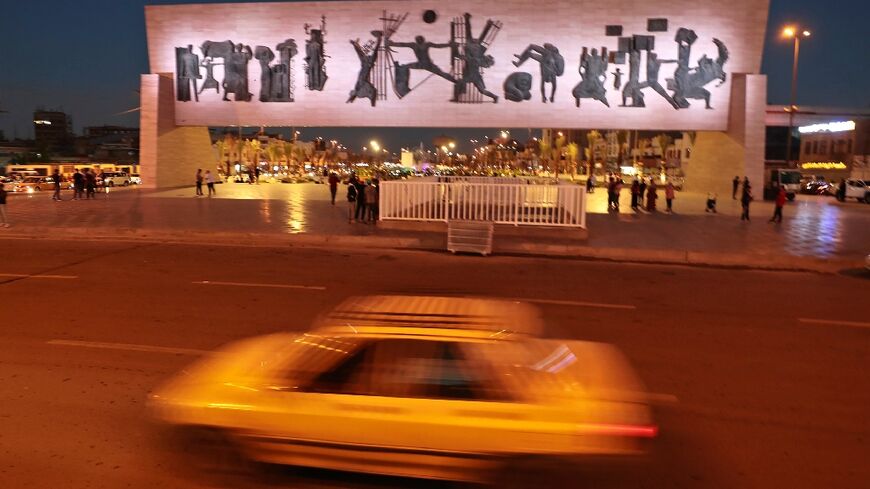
(578, 304)
(127, 347)
(854, 324)
(272, 286)
(28, 275)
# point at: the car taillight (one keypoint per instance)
(638, 431)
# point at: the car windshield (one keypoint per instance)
(790, 177)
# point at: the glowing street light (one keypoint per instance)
(375, 145)
(793, 32)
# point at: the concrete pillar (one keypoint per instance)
(717, 157)
(169, 154)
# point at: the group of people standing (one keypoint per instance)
(643, 195)
(362, 198)
(208, 178)
(84, 185)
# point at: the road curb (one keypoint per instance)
(437, 242)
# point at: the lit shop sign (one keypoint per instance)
(829, 127)
(42, 123)
(823, 165)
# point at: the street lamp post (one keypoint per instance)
(795, 33)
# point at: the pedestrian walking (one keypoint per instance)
(590, 184)
(642, 189)
(611, 192)
(841, 190)
(711, 202)
(670, 193)
(372, 196)
(734, 185)
(333, 186)
(78, 185)
(199, 182)
(651, 197)
(635, 190)
(745, 185)
(90, 184)
(351, 198)
(778, 205)
(745, 199)
(209, 182)
(55, 177)
(4, 220)
(360, 213)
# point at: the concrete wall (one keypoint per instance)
(717, 157)
(169, 155)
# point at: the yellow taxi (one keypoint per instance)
(428, 387)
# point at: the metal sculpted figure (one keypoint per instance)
(653, 65)
(475, 60)
(421, 50)
(210, 81)
(368, 56)
(187, 72)
(518, 86)
(551, 62)
(593, 74)
(265, 56)
(617, 78)
(632, 88)
(236, 74)
(315, 56)
(689, 83)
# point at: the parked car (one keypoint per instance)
(858, 190)
(427, 387)
(112, 179)
(35, 184)
(135, 179)
(814, 187)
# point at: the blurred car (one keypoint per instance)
(35, 184)
(8, 183)
(858, 190)
(427, 387)
(814, 187)
(112, 179)
(135, 179)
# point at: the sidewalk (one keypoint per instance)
(818, 233)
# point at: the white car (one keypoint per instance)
(428, 387)
(135, 179)
(858, 190)
(112, 179)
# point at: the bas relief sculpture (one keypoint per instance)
(466, 76)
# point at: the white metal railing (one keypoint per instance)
(518, 204)
(489, 180)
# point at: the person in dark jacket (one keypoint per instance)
(635, 191)
(642, 189)
(333, 185)
(745, 199)
(4, 221)
(55, 177)
(360, 214)
(734, 185)
(90, 184)
(78, 185)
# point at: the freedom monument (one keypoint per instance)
(687, 65)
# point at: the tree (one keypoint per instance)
(573, 151)
(222, 146)
(592, 138)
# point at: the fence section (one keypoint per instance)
(517, 204)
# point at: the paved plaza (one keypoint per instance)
(816, 228)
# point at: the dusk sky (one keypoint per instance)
(85, 57)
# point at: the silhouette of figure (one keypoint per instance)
(210, 80)
(653, 65)
(593, 73)
(689, 83)
(421, 50)
(367, 58)
(518, 86)
(617, 78)
(632, 89)
(551, 62)
(265, 56)
(475, 60)
(188, 72)
(236, 74)
(315, 60)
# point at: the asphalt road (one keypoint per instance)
(763, 376)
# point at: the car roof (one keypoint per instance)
(455, 317)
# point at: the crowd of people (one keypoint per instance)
(644, 193)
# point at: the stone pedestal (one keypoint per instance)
(717, 157)
(169, 154)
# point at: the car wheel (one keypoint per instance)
(36, 189)
(212, 453)
(867, 198)
(111, 183)
(791, 197)
(126, 183)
